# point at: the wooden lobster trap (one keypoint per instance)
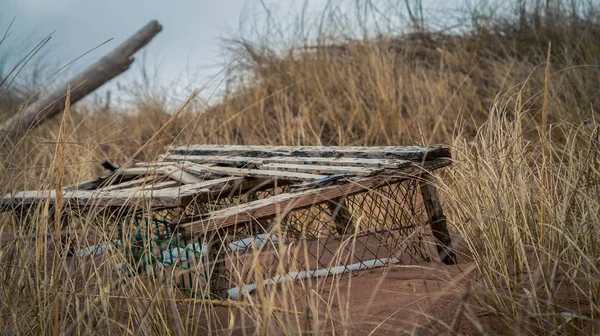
(222, 219)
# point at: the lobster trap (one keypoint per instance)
(221, 220)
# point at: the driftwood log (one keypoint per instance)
(107, 68)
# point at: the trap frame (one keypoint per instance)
(222, 219)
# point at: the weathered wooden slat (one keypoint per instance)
(130, 184)
(175, 172)
(156, 185)
(154, 164)
(88, 198)
(196, 168)
(322, 170)
(138, 171)
(168, 197)
(178, 174)
(238, 161)
(354, 162)
(414, 153)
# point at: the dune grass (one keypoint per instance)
(514, 96)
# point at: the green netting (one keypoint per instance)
(155, 247)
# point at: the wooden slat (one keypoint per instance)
(414, 153)
(154, 164)
(253, 173)
(138, 171)
(286, 202)
(178, 174)
(238, 161)
(129, 184)
(156, 186)
(87, 198)
(355, 162)
(175, 172)
(168, 197)
(323, 170)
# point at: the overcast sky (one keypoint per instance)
(187, 50)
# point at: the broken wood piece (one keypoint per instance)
(107, 68)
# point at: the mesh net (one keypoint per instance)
(361, 231)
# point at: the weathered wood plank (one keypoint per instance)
(178, 174)
(129, 184)
(354, 162)
(175, 172)
(108, 67)
(156, 185)
(135, 171)
(244, 161)
(414, 153)
(196, 168)
(238, 161)
(154, 164)
(88, 198)
(168, 197)
(321, 170)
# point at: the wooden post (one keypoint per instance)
(108, 67)
(216, 262)
(437, 220)
(341, 215)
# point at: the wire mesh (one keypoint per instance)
(359, 231)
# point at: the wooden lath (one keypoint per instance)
(167, 197)
(413, 153)
(243, 161)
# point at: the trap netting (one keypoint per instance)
(385, 225)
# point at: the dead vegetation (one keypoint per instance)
(514, 95)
